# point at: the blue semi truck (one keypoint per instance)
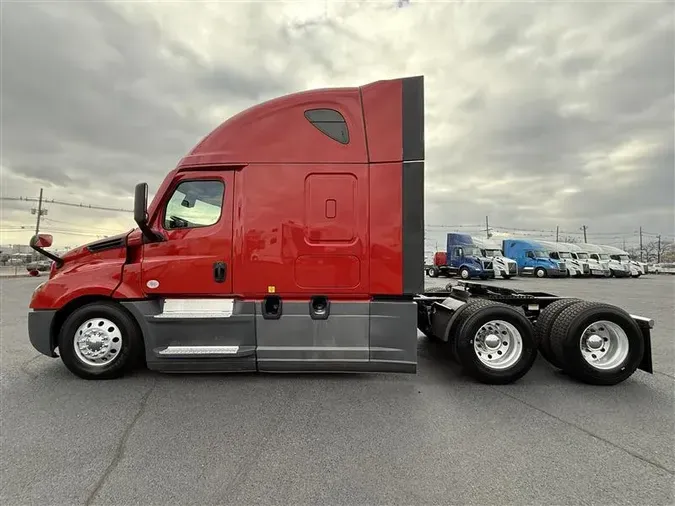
(461, 257)
(533, 258)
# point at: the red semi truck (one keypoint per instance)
(291, 239)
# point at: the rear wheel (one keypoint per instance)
(544, 324)
(431, 272)
(100, 341)
(494, 342)
(597, 343)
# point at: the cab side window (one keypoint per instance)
(530, 254)
(194, 204)
(330, 122)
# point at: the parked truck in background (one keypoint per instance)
(598, 269)
(616, 268)
(533, 258)
(461, 257)
(618, 255)
(560, 251)
(503, 266)
(291, 239)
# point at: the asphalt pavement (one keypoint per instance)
(435, 437)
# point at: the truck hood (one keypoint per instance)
(108, 243)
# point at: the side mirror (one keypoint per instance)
(141, 213)
(42, 240)
(141, 204)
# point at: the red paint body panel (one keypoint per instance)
(303, 214)
(385, 228)
(282, 236)
(183, 264)
(99, 274)
(382, 111)
(440, 258)
(277, 131)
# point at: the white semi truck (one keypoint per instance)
(621, 256)
(617, 269)
(503, 266)
(598, 269)
(560, 251)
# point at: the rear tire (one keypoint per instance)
(431, 272)
(597, 343)
(494, 342)
(544, 324)
(110, 342)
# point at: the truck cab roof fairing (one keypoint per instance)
(280, 131)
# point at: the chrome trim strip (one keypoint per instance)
(199, 350)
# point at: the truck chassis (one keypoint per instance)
(495, 333)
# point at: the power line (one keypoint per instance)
(70, 204)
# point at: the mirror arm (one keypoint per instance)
(33, 244)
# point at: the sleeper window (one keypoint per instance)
(194, 204)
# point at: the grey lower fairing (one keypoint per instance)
(377, 336)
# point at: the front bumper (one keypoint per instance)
(40, 331)
(620, 273)
(556, 273)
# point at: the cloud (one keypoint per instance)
(524, 101)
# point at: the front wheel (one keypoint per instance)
(540, 272)
(494, 343)
(464, 273)
(100, 341)
(506, 276)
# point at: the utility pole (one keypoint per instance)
(487, 228)
(624, 244)
(40, 212)
(640, 244)
(557, 229)
(584, 227)
(658, 250)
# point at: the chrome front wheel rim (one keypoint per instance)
(97, 342)
(498, 344)
(604, 345)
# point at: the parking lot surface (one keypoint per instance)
(435, 437)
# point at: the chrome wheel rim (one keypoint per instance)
(465, 274)
(97, 342)
(498, 344)
(540, 273)
(604, 345)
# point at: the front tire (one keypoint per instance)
(464, 273)
(506, 276)
(494, 343)
(100, 341)
(597, 343)
(540, 272)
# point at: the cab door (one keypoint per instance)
(196, 220)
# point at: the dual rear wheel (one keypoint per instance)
(593, 342)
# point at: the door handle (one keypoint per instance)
(219, 271)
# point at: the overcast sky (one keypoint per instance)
(558, 114)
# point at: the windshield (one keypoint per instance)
(582, 256)
(565, 254)
(604, 256)
(493, 252)
(471, 251)
(540, 254)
